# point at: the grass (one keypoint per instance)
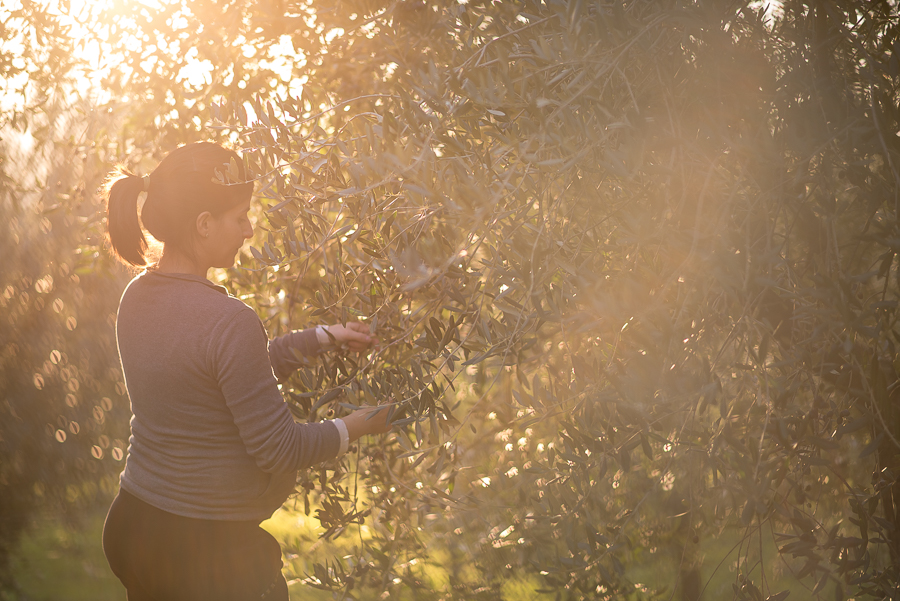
(57, 562)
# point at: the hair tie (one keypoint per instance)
(146, 182)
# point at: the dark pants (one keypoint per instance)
(160, 556)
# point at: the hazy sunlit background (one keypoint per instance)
(633, 265)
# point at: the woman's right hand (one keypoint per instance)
(359, 423)
(354, 336)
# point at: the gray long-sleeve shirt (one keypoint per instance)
(211, 435)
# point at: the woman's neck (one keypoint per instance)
(176, 262)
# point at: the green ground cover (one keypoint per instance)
(62, 562)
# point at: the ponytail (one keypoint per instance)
(124, 229)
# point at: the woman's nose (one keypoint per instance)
(248, 231)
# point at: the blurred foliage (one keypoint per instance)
(64, 413)
(632, 263)
(63, 410)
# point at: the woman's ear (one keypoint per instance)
(203, 224)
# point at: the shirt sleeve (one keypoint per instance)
(239, 360)
(281, 351)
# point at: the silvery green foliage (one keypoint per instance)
(632, 266)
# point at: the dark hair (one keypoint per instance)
(181, 187)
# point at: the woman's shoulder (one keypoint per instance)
(190, 308)
(184, 292)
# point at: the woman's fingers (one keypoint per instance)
(355, 335)
(367, 420)
(357, 326)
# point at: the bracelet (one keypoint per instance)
(345, 436)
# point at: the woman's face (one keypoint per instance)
(227, 234)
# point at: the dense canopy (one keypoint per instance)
(633, 265)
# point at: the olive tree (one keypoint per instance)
(633, 269)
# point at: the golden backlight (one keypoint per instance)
(106, 35)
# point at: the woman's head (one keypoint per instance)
(182, 199)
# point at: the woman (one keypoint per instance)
(213, 449)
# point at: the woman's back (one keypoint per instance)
(211, 435)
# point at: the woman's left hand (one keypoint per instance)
(354, 336)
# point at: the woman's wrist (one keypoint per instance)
(344, 434)
(325, 341)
